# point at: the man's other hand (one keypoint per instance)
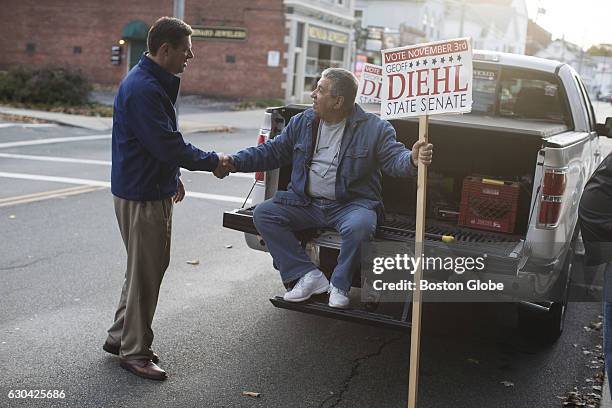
(180, 193)
(423, 152)
(225, 166)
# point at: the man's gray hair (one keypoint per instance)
(342, 83)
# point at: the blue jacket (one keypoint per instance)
(368, 148)
(148, 149)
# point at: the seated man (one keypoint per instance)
(338, 153)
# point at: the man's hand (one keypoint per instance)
(422, 152)
(225, 166)
(180, 193)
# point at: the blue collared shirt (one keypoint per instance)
(147, 147)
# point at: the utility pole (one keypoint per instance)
(462, 18)
(179, 12)
(179, 9)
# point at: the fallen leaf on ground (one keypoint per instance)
(228, 246)
(595, 325)
(194, 262)
(508, 383)
(473, 361)
(12, 216)
(251, 394)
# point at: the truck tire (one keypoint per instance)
(545, 327)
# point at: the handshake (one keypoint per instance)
(225, 166)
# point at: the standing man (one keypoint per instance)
(338, 153)
(147, 152)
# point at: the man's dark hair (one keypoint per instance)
(167, 30)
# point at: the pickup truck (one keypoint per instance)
(531, 126)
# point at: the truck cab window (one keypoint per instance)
(533, 96)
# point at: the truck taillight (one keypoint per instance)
(259, 176)
(551, 201)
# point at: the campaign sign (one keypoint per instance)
(427, 79)
(370, 83)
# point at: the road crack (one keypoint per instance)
(335, 399)
(20, 266)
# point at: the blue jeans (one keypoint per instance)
(276, 223)
(607, 321)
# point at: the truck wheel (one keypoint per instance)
(542, 327)
(545, 327)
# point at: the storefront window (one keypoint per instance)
(319, 57)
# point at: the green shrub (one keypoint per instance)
(49, 85)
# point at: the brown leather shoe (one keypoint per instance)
(144, 368)
(112, 349)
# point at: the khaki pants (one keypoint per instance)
(145, 228)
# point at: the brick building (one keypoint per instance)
(243, 48)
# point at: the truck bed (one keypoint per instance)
(538, 128)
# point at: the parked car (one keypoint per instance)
(606, 98)
(532, 127)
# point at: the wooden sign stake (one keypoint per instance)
(415, 335)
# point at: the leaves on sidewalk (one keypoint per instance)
(251, 394)
(194, 262)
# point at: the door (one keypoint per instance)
(136, 49)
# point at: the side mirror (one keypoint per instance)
(605, 129)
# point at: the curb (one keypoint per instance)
(100, 127)
(210, 129)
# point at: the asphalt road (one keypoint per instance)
(62, 265)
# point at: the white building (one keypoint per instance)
(499, 25)
(425, 16)
(496, 25)
(321, 35)
(594, 71)
(602, 78)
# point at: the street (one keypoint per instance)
(62, 265)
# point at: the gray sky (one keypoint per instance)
(583, 22)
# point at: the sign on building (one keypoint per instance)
(427, 79)
(370, 84)
(323, 34)
(219, 33)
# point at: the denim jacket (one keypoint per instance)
(368, 149)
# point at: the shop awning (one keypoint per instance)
(135, 30)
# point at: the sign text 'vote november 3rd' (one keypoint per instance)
(427, 79)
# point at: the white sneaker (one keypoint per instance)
(313, 283)
(338, 298)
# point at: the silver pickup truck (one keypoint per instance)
(532, 134)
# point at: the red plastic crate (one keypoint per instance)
(489, 204)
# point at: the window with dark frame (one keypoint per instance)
(76, 50)
(230, 59)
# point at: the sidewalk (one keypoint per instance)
(191, 122)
